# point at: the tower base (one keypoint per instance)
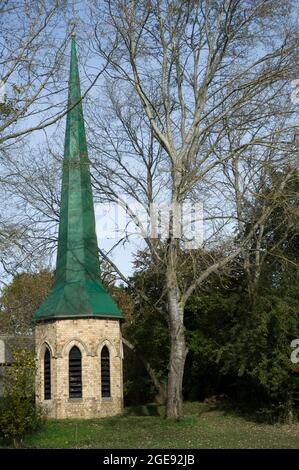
(89, 335)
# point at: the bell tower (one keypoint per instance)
(77, 328)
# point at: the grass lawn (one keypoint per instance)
(202, 427)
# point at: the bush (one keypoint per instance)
(280, 413)
(18, 413)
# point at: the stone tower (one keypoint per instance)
(77, 333)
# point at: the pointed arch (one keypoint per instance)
(112, 348)
(105, 372)
(65, 350)
(75, 373)
(41, 351)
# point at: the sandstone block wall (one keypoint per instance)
(89, 335)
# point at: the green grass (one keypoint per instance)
(200, 428)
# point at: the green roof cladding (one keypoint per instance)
(77, 291)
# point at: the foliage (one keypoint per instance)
(241, 329)
(20, 299)
(244, 353)
(241, 321)
(19, 415)
(147, 330)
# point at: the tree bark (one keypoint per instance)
(178, 353)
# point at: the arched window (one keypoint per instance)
(105, 372)
(75, 373)
(47, 375)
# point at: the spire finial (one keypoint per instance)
(73, 24)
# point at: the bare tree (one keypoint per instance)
(34, 38)
(34, 69)
(30, 186)
(196, 105)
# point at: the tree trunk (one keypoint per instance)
(178, 352)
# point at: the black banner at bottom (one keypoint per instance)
(147, 458)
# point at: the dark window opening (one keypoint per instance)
(105, 372)
(75, 373)
(47, 375)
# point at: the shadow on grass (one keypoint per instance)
(259, 415)
(189, 409)
(255, 413)
(149, 409)
(153, 409)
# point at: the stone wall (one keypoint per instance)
(89, 335)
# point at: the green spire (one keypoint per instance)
(77, 290)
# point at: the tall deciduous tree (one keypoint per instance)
(197, 107)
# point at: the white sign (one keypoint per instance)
(295, 353)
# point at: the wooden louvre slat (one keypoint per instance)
(47, 375)
(105, 373)
(75, 373)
